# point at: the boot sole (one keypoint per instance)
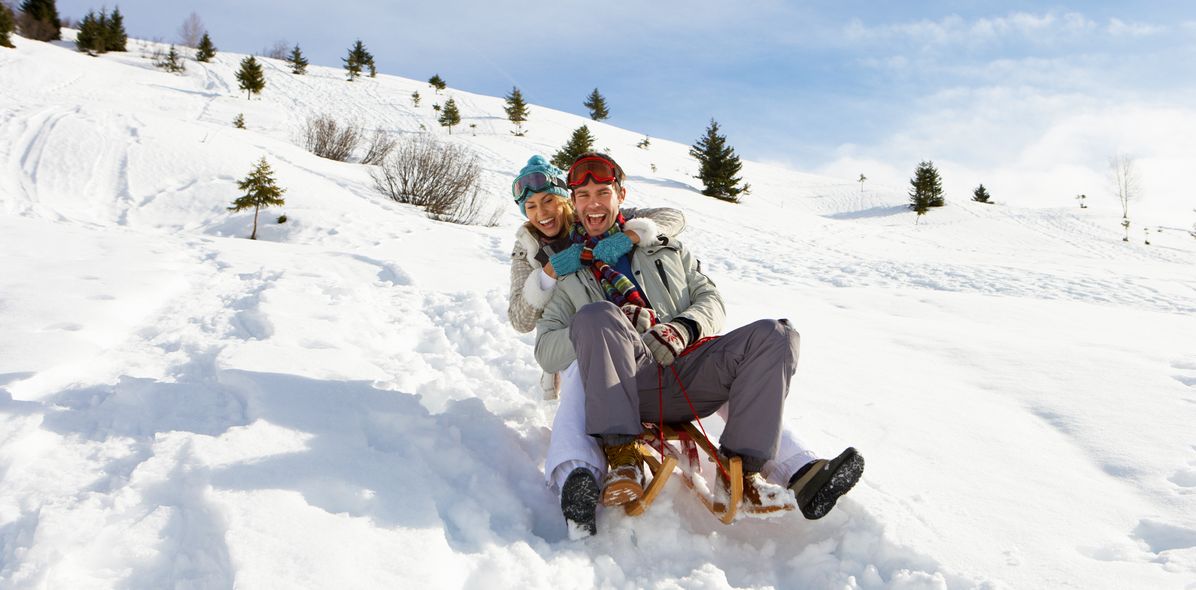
(579, 502)
(842, 473)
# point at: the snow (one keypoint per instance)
(342, 402)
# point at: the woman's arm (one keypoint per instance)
(528, 293)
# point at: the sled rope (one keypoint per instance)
(660, 381)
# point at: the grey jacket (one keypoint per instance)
(669, 277)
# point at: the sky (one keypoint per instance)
(1029, 98)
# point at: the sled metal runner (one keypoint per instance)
(677, 445)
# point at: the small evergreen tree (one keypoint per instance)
(115, 37)
(516, 110)
(91, 36)
(861, 180)
(926, 188)
(644, 143)
(579, 143)
(597, 105)
(718, 165)
(39, 20)
(437, 82)
(980, 195)
(450, 116)
(297, 61)
(7, 23)
(206, 50)
(415, 98)
(357, 59)
(239, 121)
(173, 62)
(251, 78)
(260, 191)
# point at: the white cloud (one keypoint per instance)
(1120, 28)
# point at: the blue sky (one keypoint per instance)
(820, 86)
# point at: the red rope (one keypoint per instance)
(699, 420)
(660, 398)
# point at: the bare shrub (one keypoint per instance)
(444, 179)
(279, 50)
(191, 31)
(381, 145)
(326, 138)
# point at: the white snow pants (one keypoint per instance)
(570, 447)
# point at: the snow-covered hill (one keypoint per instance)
(342, 404)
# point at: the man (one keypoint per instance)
(631, 317)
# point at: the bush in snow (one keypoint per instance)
(926, 189)
(278, 50)
(444, 179)
(260, 191)
(437, 82)
(326, 138)
(380, 146)
(191, 30)
(239, 121)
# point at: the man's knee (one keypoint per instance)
(591, 317)
(778, 332)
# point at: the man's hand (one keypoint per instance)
(666, 341)
(641, 318)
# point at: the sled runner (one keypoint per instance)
(677, 446)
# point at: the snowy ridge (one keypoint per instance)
(343, 404)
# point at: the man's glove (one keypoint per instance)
(666, 341)
(641, 318)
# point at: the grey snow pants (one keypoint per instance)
(749, 369)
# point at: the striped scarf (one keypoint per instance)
(618, 288)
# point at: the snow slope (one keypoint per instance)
(343, 404)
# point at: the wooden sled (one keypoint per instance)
(680, 444)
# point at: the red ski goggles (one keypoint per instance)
(594, 169)
(535, 182)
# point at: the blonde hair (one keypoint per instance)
(570, 217)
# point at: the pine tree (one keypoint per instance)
(260, 191)
(644, 143)
(516, 110)
(40, 21)
(597, 105)
(437, 82)
(579, 143)
(115, 37)
(718, 165)
(173, 62)
(980, 195)
(90, 37)
(415, 98)
(926, 188)
(206, 50)
(357, 59)
(7, 23)
(297, 61)
(450, 115)
(251, 77)
(239, 121)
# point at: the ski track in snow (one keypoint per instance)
(343, 403)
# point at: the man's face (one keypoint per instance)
(597, 205)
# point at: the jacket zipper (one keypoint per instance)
(664, 278)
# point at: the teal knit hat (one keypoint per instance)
(535, 164)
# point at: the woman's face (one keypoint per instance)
(546, 212)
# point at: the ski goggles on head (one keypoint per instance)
(593, 169)
(532, 183)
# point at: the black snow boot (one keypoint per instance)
(818, 484)
(579, 503)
